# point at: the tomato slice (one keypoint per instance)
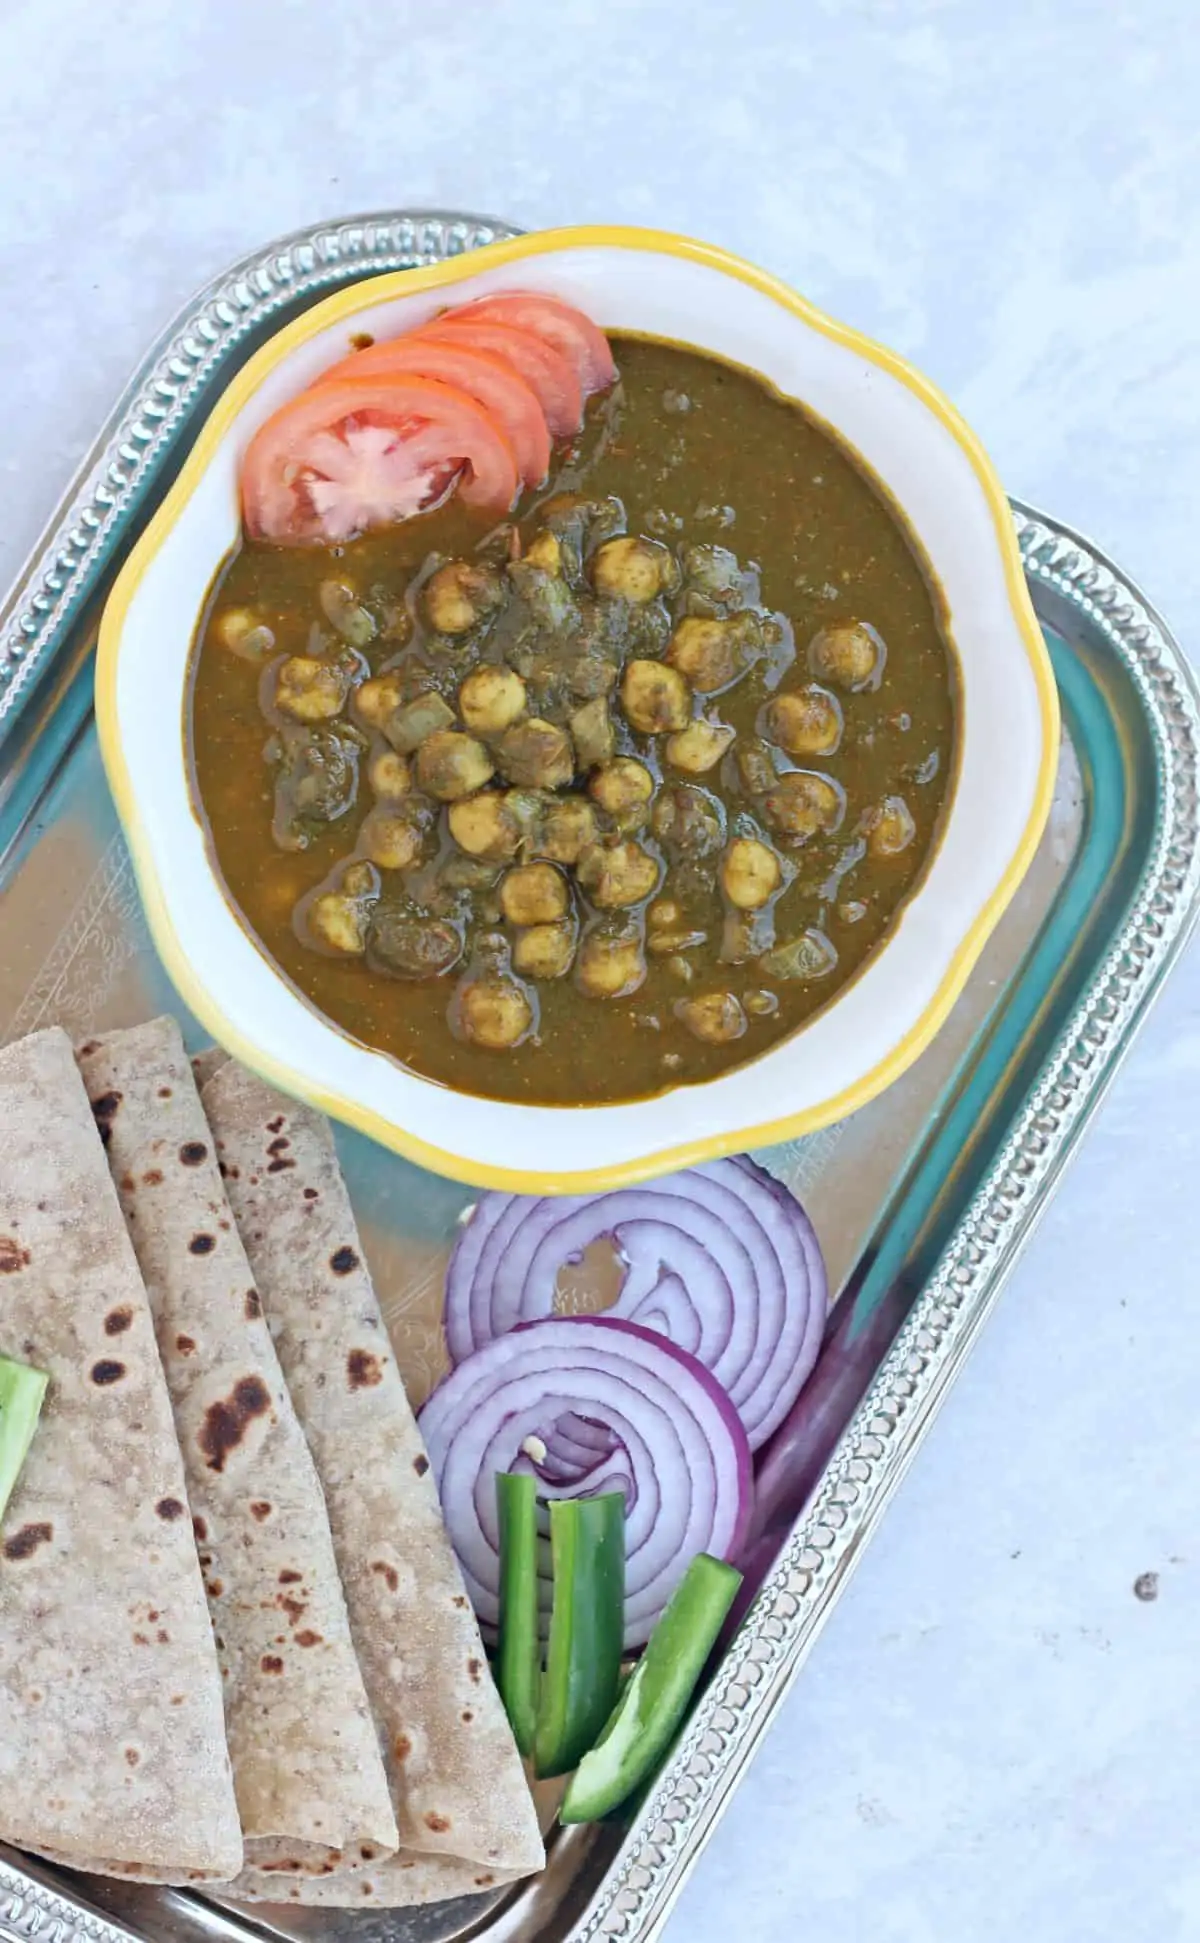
(558, 324)
(551, 375)
(483, 376)
(343, 458)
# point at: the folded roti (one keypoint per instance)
(457, 1782)
(403, 1881)
(310, 1782)
(112, 1740)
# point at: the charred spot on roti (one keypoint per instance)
(460, 1600)
(310, 1194)
(128, 1184)
(24, 1543)
(132, 1757)
(437, 1824)
(290, 1578)
(475, 1670)
(294, 1608)
(276, 1125)
(420, 1464)
(309, 1638)
(271, 1663)
(105, 1372)
(467, 1716)
(193, 1153)
(202, 1244)
(93, 1045)
(260, 1509)
(186, 1345)
(140, 1639)
(225, 1423)
(279, 1145)
(200, 1528)
(117, 1321)
(215, 1588)
(343, 1261)
(388, 1574)
(163, 1637)
(402, 1747)
(13, 1258)
(363, 1370)
(153, 1177)
(169, 1509)
(278, 1165)
(253, 1305)
(104, 1108)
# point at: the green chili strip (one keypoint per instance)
(21, 1393)
(656, 1695)
(518, 1660)
(583, 1666)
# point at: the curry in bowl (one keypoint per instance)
(597, 793)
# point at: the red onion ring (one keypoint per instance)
(640, 1415)
(721, 1260)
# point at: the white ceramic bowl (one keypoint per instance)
(913, 441)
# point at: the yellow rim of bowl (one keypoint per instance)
(367, 295)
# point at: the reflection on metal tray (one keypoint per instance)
(922, 1201)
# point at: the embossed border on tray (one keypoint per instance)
(683, 1807)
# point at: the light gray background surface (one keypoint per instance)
(994, 1738)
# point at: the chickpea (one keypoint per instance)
(492, 1012)
(545, 950)
(761, 1005)
(618, 874)
(491, 699)
(568, 826)
(713, 653)
(536, 755)
(392, 842)
(339, 923)
(310, 690)
(450, 765)
(664, 915)
(483, 826)
(890, 828)
(633, 569)
(460, 595)
(805, 724)
(800, 803)
(411, 947)
(244, 634)
(414, 722)
(545, 551)
(592, 733)
(534, 894)
(687, 821)
(655, 698)
(376, 700)
(850, 654)
(346, 613)
(389, 776)
(750, 873)
(699, 747)
(755, 765)
(621, 786)
(715, 1017)
(674, 943)
(610, 963)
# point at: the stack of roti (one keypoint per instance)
(333, 1735)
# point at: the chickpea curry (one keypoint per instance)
(606, 797)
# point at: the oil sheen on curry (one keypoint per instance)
(608, 797)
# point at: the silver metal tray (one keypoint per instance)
(923, 1201)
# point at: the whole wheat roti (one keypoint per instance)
(457, 1782)
(112, 1739)
(310, 1782)
(403, 1881)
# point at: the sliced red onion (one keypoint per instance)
(638, 1414)
(721, 1260)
